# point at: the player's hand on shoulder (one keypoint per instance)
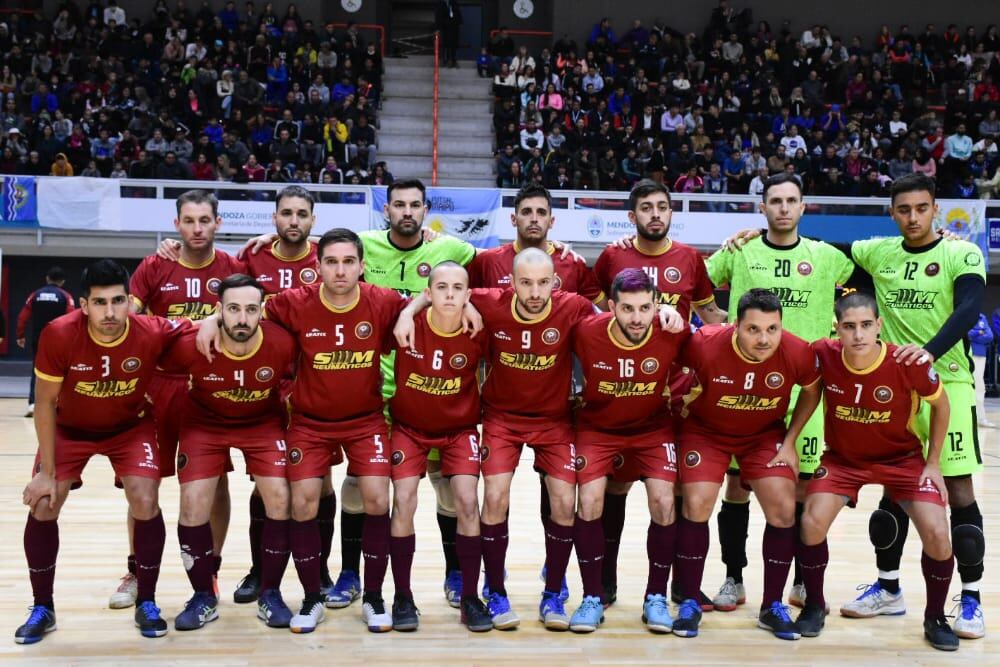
(910, 354)
(255, 243)
(624, 243)
(472, 320)
(566, 250)
(169, 249)
(671, 320)
(42, 485)
(208, 341)
(739, 239)
(429, 235)
(405, 330)
(949, 235)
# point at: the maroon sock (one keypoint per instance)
(375, 548)
(470, 558)
(274, 553)
(41, 547)
(196, 554)
(660, 549)
(130, 564)
(257, 517)
(588, 538)
(937, 577)
(778, 549)
(689, 560)
(401, 552)
(150, 536)
(558, 547)
(495, 539)
(813, 560)
(544, 506)
(613, 521)
(325, 516)
(303, 536)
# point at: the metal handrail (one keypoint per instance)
(434, 114)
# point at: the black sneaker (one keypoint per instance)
(248, 590)
(688, 618)
(325, 581)
(405, 615)
(475, 615)
(776, 619)
(148, 620)
(811, 620)
(42, 619)
(704, 602)
(610, 594)
(940, 635)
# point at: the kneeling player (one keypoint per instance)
(870, 397)
(746, 373)
(233, 401)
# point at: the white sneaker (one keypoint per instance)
(969, 621)
(730, 596)
(874, 601)
(986, 423)
(30, 412)
(374, 615)
(797, 596)
(310, 615)
(125, 596)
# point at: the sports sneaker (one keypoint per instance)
(475, 616)
(405, 615)
(42, 619)
(124, 596)
(248, 589)
(310, 615)
(30, 412)
(345, 591)
(486, 584)
(271, 609)
(374, 615)
(777, 620)
(202, 608)
(502, 615)
(969, 622)
(940, 635)
(453, 588)
(552, 612)
(797, 596)
(148, 620)
(588, 616)
(325, 582)
(610, 593)
(874, 601)
(688, 618)
(730, 596)
(563, 587)
(811, 620)
(703, 601)
(656, 614)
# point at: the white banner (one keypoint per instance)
(79, 203)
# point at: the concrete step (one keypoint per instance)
(466, 182)
(465, 166)
(411, 87)
(407, 122)
(449, 78)
(409, 63)
(423, 146)
(453, 109)
(402, 166)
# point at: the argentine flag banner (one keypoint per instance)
(466, 213)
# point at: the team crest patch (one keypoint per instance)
(308, 276)
(363, 330)
(398, 457)
(933, 269)
(182, 461)
(774, 380)
(820, 473)
(557, 282)
(649, 365)
(213, 285)
(804, 268)
(692, 459)
(131, 365)
(295, 456)
(458, 361)
(618, 461)
(423, 269)
(672, 274)
(883, 394)
(484, 453)
(264, 373)
(550, 336)
(953, 367)
(580, 462)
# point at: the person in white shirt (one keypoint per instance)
(792, 141)
(114, 13)
(898, 126)
(757, 182)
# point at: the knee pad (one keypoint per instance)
(350, 496)
(442, 489)
(883, 529)
(969, 544)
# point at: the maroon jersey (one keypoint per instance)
(338, 375)
(234, 391)
(175, 289)
(868, 411)
(737, 397)
(103, 384)
(276, 273)
(678, 272)
(530, 364)
(436, 386)
(492, 268)
(626, 387)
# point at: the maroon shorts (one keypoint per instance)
(553, 447)
(459, 452)
(204, 450)
(314, 445)
(706, 459)
(900, 478)
(626, 458)
(169, 395)
(131, 452)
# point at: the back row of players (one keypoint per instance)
(731, 384)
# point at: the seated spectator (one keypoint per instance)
(757, 183)
(61, 166)
(505, 82)
(171, 168)
(362, 142)
(253, 171)
(202, 169)
(793, 142)
(689, 182)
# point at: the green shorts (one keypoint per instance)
(809, 444)
(961, 454)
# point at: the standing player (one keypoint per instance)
(870, 399)
(233, 401)
(929, 291)
(42, 306)
(623, 421)
(94, 367)
(436, 406)
(745, 376)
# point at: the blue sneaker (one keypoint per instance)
(453, 588)
(345, 591)
(688, 618)
(563, 587)
(202, 608)
(656, 614)
(486, 584)
(588, 616)
(42, 619)
(776, 619)
(271, 609)
(552, 613)
(969, 622)
(149, 621)
(502, 615)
